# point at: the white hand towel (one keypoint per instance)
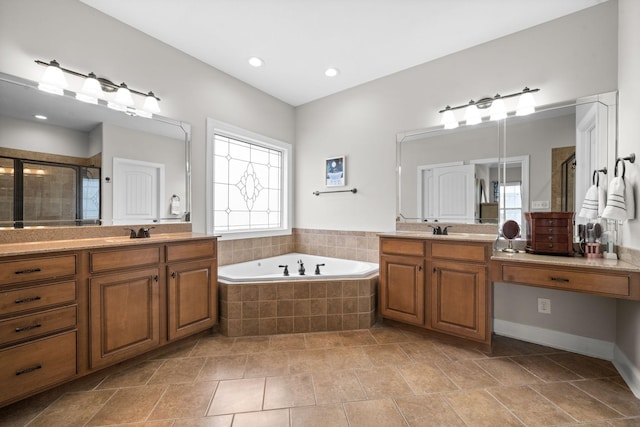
(616, 207)
(602, 200)
(629, 200)
(590, 204)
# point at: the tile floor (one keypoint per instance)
(376, 377)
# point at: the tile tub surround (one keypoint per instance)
(297, 306)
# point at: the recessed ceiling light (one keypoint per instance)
(40, 117)
(254, 61)
(331, 72)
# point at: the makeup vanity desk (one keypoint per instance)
(444, 284)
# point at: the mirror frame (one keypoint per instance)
(104, 111)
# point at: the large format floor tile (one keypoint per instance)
(382, 376)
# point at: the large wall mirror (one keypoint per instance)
(87, 164)
(498, 170)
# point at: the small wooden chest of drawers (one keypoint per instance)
(550, 232)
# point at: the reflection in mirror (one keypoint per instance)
(88, 140)
(496, 171)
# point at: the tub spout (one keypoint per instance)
(301, 269)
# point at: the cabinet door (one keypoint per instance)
(192, 297)
(124, 315)
(458, 299)
(402, 288)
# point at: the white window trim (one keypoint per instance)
(216, 126)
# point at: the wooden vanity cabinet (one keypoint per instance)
(441, 285)
(402, 280)
(38, 323)
(192, 281)
(459, 289)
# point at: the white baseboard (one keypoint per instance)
(628, 371)
(555, 339)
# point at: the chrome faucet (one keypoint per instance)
(301, 269)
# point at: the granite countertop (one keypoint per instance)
(565, 261)
(26, 248)
(458, 237)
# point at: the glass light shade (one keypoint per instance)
(472, 115)
(91, 90)
(449, 120)
(123, 96)
(526, 104)
(53, 80)
(151, 104)
(498, 110)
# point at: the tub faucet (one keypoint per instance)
(301, 269)
(318, 268)
(286, 269)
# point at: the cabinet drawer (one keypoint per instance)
(32, 325)
(28, 270)
(551, 238)
(459, 251)
(552, 222)
(191, 250)
(16, 300)
(606, 284)
(124, 258)
(551, 230)
(405, 247)
(36, 365)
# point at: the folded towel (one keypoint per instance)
(590, 203)
(616, 208)
(602, 200)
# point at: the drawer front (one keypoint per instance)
(459, 251)
(28, 270)
(191, 250)
(552, 222)
(606, 284)
(405, 247)
(552, 238)
(32, 325)
(36, 365)
(124, 258)
(17, 300)
(551, 230)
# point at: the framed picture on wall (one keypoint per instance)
(335, 171)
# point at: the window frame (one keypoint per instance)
(218, 127)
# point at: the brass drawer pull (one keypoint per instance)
(560, 279)
(28, 299)
(27, 370)
(31, 270)
(28, 328)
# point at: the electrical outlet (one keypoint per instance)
(544, 305)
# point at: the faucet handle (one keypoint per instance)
(286, 269)
(318, 268)
(445, 230)
(132, 233)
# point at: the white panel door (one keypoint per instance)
(137, 189)
(454, 194)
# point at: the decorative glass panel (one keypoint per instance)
(247, 185)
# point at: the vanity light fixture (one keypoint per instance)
(498, 111)
(117, 97)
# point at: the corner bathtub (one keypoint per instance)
(257, 299)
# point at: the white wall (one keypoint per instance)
(568, 58)
(84, 39)
(628, 321)
(43, 138)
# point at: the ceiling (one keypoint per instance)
(299, 39)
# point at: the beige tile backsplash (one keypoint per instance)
(355, 245)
